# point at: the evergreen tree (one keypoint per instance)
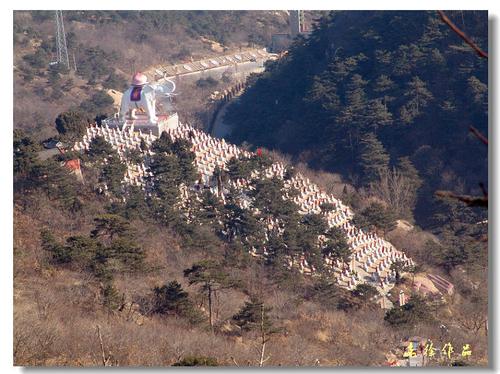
(189, 174)
(374, 159)
(197, 361)
(81, 249)
(376, 216)
(407, 169)
(415, 311)
(171, 299)
(212, 278)
(479, 92)
(240, 168)
(59, 253)
(57, 182)
(99, 149)
(112, 174)
(209, 209)
(165, 181)
(110, 226)
(163, 144)
(134, 156)
(326, 292)
(277, 249)
(134, 207)
(365, 293)
(130, 255)
(398, 267)
(25, 153)
(353, 116)
(311, 226)
(268, 198)
(112, 299)
(377, 116)
(71, 125)
(336, 245)
(418, 98)
(253, 315)
(383, 86)
(324, 90)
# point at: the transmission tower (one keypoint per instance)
(62, 49)
(296, 22)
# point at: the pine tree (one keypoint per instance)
(376, 216)
(116, 248)
(311, 226)
(383, 86)
(25, 153)
(249, 317)
(163, 144)
(268, 198)
(407, 169)
(57, 182)
(59, 253)
(418, 98)
(377, 116)
(71, 125)
(324, 90)
(365, 293)
(111, 226)
(336, 245)
(81, 248)
(181, 149)
(209, 210)
(112, 174)
(112, 299)
(255, 315)
(165, 181)
(212, 278)
(415, 311)
(171, 299)
(374, 159)
(130, 255)
(240, 168)
(353, 117)
(479, 92)
(134, 207)
(99, 149)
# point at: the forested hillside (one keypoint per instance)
(369, 91)
(107, 273)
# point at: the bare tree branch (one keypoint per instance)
(105, 360)
(471, 201)
(232, 358)
(480, 136)
(460, 33)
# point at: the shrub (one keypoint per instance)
(413, 312)
(197, 361)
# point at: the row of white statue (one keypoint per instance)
(371, 257)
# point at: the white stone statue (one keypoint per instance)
(141, 97)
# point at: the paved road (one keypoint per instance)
(220, 129)
(237, 72)
(250, 58)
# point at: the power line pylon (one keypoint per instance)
(62, 49)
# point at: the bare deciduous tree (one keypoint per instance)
(396, 190)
